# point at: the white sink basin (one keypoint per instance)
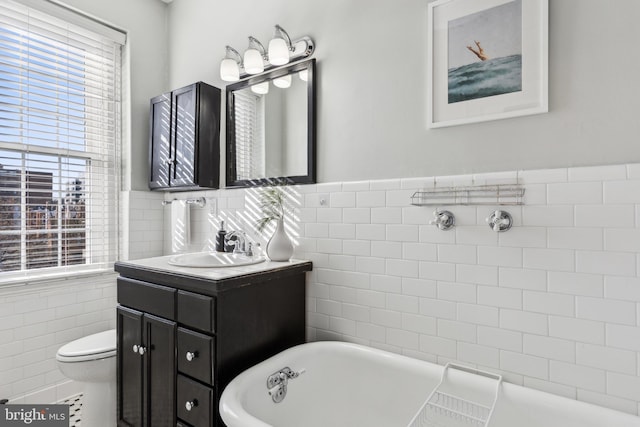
(213, 260)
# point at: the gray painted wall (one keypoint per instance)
(146, 23)
(372, 100)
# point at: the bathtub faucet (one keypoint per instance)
(277, 382)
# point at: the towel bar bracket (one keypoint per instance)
(200, 202)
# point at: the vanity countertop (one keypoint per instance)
(207, 280)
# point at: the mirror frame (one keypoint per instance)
(310, 177)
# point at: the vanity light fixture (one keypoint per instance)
(279, 47)
(253, 57)
(230, 65)
(256, 59)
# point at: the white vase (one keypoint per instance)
(279, 247)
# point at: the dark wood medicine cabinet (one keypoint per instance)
(184, 139)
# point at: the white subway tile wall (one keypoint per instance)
(36, 320)
(145, 225)
(552, 304)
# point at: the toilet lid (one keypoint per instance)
(102, 344)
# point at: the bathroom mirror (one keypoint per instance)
(271, 128)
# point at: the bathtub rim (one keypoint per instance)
(231, 399)
(234, 415)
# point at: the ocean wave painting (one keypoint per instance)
(486, 78)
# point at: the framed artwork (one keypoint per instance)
(487, 60)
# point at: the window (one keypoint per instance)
(59, 140)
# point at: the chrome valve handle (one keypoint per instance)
(444, 220)
(277, 382)
(191, 404)
(191, 355)
(500, 221)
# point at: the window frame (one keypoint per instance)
(93, 155)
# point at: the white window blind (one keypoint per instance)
(250, 146)
(59, 144)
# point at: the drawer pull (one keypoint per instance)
(191, 404)
(191, 355)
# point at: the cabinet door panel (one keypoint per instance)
(160, 149)
(160, 380)
(185, 117)
(129, 368)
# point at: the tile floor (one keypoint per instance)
(75, 406)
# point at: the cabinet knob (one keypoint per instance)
(170, 161)
(135, 348)
(191, 355)
(142, 350)
(191, 404)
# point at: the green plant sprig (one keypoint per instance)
(272, 205)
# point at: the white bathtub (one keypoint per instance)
(347, 385)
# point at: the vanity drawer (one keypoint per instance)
(202, 410)
(197, 311)
(200, 349)
(147, 297)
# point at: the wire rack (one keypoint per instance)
(472, 195)
(443, 409)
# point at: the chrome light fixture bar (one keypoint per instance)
(257, 59)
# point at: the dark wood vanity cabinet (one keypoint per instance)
(196, 335)
(184, 147)
(146, 354)
(146, 364)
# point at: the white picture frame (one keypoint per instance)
(465, 84)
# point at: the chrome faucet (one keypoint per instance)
(241, 244)
(277, 382)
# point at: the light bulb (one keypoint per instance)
(278, 51)
(229, 71)
(253, 61)
(283, 82)
(260, 88)
(304, 75)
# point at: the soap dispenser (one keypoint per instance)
(220, 238)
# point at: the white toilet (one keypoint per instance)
(92, 361)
